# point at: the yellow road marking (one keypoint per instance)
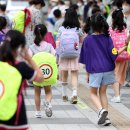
(82, 105)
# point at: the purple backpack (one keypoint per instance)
(69, 43)
(2, 36)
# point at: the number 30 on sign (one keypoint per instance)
(46, 70)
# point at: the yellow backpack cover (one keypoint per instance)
(48, 66)
(10, 81)
(21, 20)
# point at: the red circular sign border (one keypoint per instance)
(50, 67)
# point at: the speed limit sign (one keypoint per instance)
(47, 71)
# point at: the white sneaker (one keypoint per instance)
(102, 116)
(116, 99)
(38, 114)
(107, 122)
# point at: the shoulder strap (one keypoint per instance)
(33, 49)
(27, 18)
(48, 48)
(2, 32)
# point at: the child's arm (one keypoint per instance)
(87, 77)
(39, 76)
(113, 51)
(122, 49)
(58, 43)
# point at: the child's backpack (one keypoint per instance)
(49, 38)
(21, 20)
(2, 36)
(119, 40)
(48, 66)
(69, 43)
(35, 50)
(10, 82)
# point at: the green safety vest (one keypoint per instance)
(47, 63)
(10, 81)
(128, 48)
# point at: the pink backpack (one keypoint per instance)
(49, 38)
(119, 40)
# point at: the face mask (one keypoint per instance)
(114, 7)
(53, 4)
(67, 3)
(79, 4)
(126, 8)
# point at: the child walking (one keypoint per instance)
(99, 55)
(42, 46)
(13, 47)
(118, 34)
(65, 35)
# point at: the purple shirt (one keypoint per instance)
(98, 54)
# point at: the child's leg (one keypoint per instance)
(116, 87)
(103, 97)
(74, 82)
(48, 93)
(104, 102)
(38, 102)
(48, 98)
(60, 75)
(37, 97)
(95, 98)
(102, 113)
(64, 83)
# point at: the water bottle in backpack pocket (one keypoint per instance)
(69, 43)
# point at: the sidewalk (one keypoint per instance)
(71, 117)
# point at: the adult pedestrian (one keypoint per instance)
(36, 18)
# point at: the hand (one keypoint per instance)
(87, 78)
(125, 47)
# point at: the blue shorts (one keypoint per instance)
(98, 79)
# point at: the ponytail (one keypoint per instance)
(40, 31)
(38, 38)
(87, 26)
(99, 24)
(6, 52)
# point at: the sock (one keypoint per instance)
(64, 89)
(74, 93)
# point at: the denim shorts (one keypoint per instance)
(98, 79)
